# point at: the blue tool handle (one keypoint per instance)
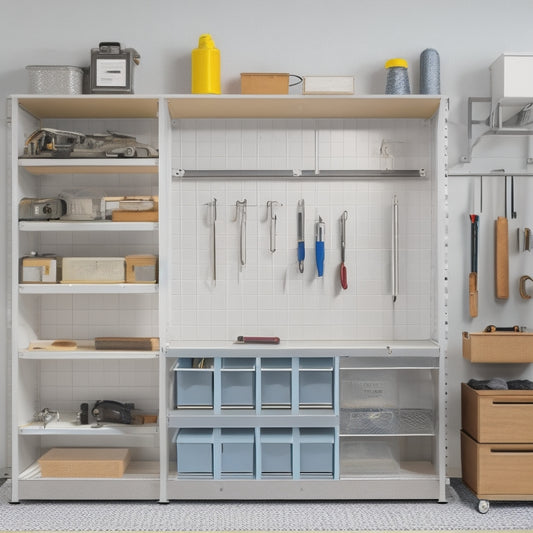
(319, 250)
(301, 250)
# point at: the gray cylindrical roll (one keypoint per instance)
(429, 72)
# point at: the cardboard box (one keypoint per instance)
(497, 471)
(93, 270)
(264, 83)
(129, 204)
(497, 416)
(38, 269)
(85, 462)
(141, 269)
(498, 347)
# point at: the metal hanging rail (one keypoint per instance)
(343, 174)
(494, 174)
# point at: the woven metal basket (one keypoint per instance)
(55, 79)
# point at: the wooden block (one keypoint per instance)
(501, 271)
(134, 216)
(127, 343)
(264, 83)
(85, 462)
(141, 269)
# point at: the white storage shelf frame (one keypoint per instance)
(62, 380)
(157, 479)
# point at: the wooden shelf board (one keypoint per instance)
(296, 106)
(90, 106)
(141, 165)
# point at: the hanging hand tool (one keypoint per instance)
(213, 214)
(513, 212)
(273, 223)
(523, 293)
(395, 249)
(501, 263)
(344, 275)
(472, 278)
(240, 216)
(320, 230)
(301, 235)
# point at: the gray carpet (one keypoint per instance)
(458, 514)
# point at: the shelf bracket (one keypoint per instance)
(471, 122)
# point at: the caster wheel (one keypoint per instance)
(483, 506)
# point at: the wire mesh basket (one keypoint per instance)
(55, 79)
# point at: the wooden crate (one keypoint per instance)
(85, 462)
(498, 347)
(264, 83)
(497, 416)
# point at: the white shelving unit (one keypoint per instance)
(243, 421)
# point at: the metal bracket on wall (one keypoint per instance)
(494, 124)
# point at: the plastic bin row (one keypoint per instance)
(255, 453)
(249, 383)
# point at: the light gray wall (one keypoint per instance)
(353, 37)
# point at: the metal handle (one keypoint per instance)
(240, 213)
(395, 249)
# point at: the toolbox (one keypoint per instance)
(498, 347)
(93, 270)
(112, 68)
(85, 462)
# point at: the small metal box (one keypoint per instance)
(141, 269)
(42, 208)
(39, 269)
(112, 69)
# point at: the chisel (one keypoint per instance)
(472, 278)
(501, 259)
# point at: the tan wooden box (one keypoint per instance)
(85, 462)
(264, 83)
(497, 471)
(498, 347)
(93, 270)
(497, 416)
(38, 269)
(141, 269)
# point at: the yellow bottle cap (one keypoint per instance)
(206, 41)
(396, 62)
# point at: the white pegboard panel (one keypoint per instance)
(269, 296)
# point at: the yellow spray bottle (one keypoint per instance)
(205, 63)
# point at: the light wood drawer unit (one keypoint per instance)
(497, 471)
(498, 347)
(497, 416)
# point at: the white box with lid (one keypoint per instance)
(512, 77)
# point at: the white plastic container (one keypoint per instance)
(512, 77)
(55, 79)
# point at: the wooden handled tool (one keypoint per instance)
(472, 278)
(501, 259)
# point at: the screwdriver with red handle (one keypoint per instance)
(344, 274)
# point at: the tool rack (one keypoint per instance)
(350, 404)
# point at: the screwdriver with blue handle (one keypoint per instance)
(320, 230)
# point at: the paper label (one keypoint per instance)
(111, 72)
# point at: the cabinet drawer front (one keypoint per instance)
(502, 416)
(497, 468)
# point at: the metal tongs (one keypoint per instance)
(344, 275)
(240, 216)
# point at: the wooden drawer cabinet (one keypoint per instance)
(497, 471)
(497, 444)
(497, 416)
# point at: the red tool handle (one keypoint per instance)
(344, 277)
(258, 340)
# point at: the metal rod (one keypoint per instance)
(273, 223)
(395, 261)
(240, 214)
(488, 174)
(237, 174)
(213, 206)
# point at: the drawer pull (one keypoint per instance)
(503, 450)
(500, 402)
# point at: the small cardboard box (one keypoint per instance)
(498, 347)
(85, 462)
(93, 270)
(37, 269)
(264, 83)
(141, 269)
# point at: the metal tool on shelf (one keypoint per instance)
(240, 217)
(343, 273)
(320, 231)
(301, 234)
(273, 218)
(472, 278)
(46, 415)
(395, 249)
